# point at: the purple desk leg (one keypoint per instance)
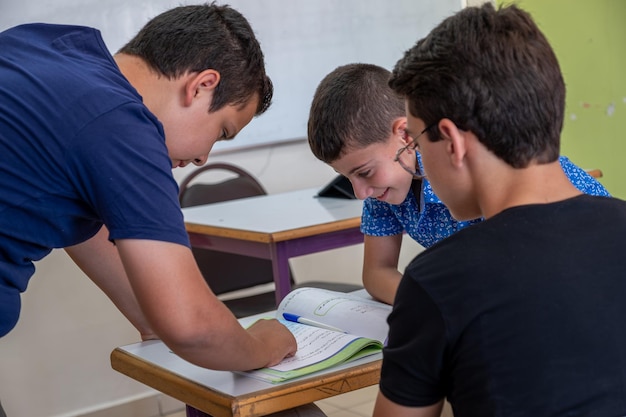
(194, 412)
(280, 268)
(282, 251)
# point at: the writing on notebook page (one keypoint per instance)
(330, 328)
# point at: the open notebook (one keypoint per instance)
(330, 328)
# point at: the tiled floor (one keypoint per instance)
(358, 403)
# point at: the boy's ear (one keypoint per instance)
(454, 140)
(199, 83)
(398, 128)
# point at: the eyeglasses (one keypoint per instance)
(416, 170)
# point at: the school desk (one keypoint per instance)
(227, 394)
(276, 227)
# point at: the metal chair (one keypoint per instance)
(228, 272)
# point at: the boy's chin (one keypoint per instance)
(395, 198)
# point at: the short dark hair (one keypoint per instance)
(199, 37)
(491, 72)
(352, 107)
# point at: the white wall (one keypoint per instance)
(302, 40)
(56, 361)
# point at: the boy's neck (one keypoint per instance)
(136, 71)
(156, 90)
(535, 184)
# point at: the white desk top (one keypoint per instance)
(228, 394)
(225, 382)
(275, 212)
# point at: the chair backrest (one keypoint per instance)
(225, 272)
(242, 185)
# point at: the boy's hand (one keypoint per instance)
(277, 340)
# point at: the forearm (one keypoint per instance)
(380, 266)
(189, 318)
(223, 344)
(382, 283)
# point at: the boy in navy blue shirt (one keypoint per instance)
(88, 142)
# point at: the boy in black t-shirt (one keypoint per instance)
(517, 315)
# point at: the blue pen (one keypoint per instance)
(302, 320)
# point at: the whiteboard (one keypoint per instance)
(303, 40)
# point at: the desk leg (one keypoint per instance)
(280, 268)
(194, 412)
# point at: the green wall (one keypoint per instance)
(589, 38)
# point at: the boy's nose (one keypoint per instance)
(200, 161)
(361, 189)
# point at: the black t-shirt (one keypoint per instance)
(521, 315)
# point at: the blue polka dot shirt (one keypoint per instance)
(431, 221)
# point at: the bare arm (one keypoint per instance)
(99, 260)
(380, 266)
(385, 407)
(165, 296)
(188, 317)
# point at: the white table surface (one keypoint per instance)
(275, 212)
(226, 382)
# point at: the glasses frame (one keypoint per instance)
(416, 172)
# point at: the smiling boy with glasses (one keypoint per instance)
(357, 125)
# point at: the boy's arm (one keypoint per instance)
(172, 296)
(189, 318)
(380, 266)
(385, 407)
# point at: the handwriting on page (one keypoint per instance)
(312, 345)
(355, 307)
(352, 314)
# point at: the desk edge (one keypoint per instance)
(261, 402)
(278, 236)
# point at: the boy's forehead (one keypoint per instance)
(354, 158)
(364, 150)
(413, 122)
(414, 125)
(354, 143)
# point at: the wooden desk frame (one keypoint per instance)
(278, 251)
(203, 401)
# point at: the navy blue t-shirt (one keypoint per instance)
(78, 149)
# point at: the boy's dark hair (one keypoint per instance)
(199, 37)
(491, 72)
(352, 107)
